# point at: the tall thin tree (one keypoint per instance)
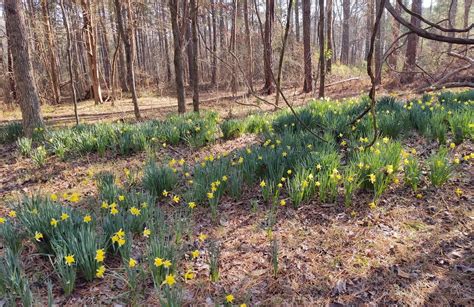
(69, 59)
(22, 68)
(308, 80)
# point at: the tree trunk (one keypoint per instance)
(378, 47)
(233, 39)
(52, 52)
(248, 43)
(393, 58)
(214, 44)
(269, 87)
(369, 25)
(127, 38)
(412, 45)
(467, 8)
(322, 69)
(329, 9)
(91, 44)
(195, 71)
(308, 80)
(297, 20)
(69, 59)
(346, 12)
(453, 9)
(22, 68)
(178, 55)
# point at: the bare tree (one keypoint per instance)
(412, 45)
(195, 72)
(308, 80)
(178, 52)
(269, 87)
(51, 50)
(346, 11)
(69, 59)
(89, 32)
(322, 58)
(128, 40)
(22, 68)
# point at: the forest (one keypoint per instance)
(236, 152)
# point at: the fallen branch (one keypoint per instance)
(342, 81)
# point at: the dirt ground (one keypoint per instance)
(407, 251)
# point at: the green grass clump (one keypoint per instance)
(158, 178)
(232, 128)
(440, 167)
(10, 132)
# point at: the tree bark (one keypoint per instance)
(195, 71)
(329, 48)
(346, 12)
(412, 45)
(52, 52)
(378, 47)
(22, 68)
(308, 80)
(248, 43)
(393, 59)
(297, 20)
(69, 59)
(89, 29)
(269, 87)
(322, 69)
(214, 44)
(127, 38)
(178, 55)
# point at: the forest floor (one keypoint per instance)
(409, 251)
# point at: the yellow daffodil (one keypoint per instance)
(210, 195)
(54, 222)
(158, 262)
(69, 259)
(169, 280)
(167, 264)
(87, 219)
(64, 216)
(12, 213)
(146, 232)
(229, 298)
(262, 183)
(202, 237)
(188, 275)
(195, 253)
(2, 220)
(38, 236)
(132, 263)
(165, 193)
(74, 197)
(135, 211)
(53, 197)
(191, 204)
(176, 199)
(458, 192)
(114, 211)
(372, 178)
(389, 169)
(100, 272)
(452, 145)
(121, 198)
(372, 205)
(282, 202)
(100, 255)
